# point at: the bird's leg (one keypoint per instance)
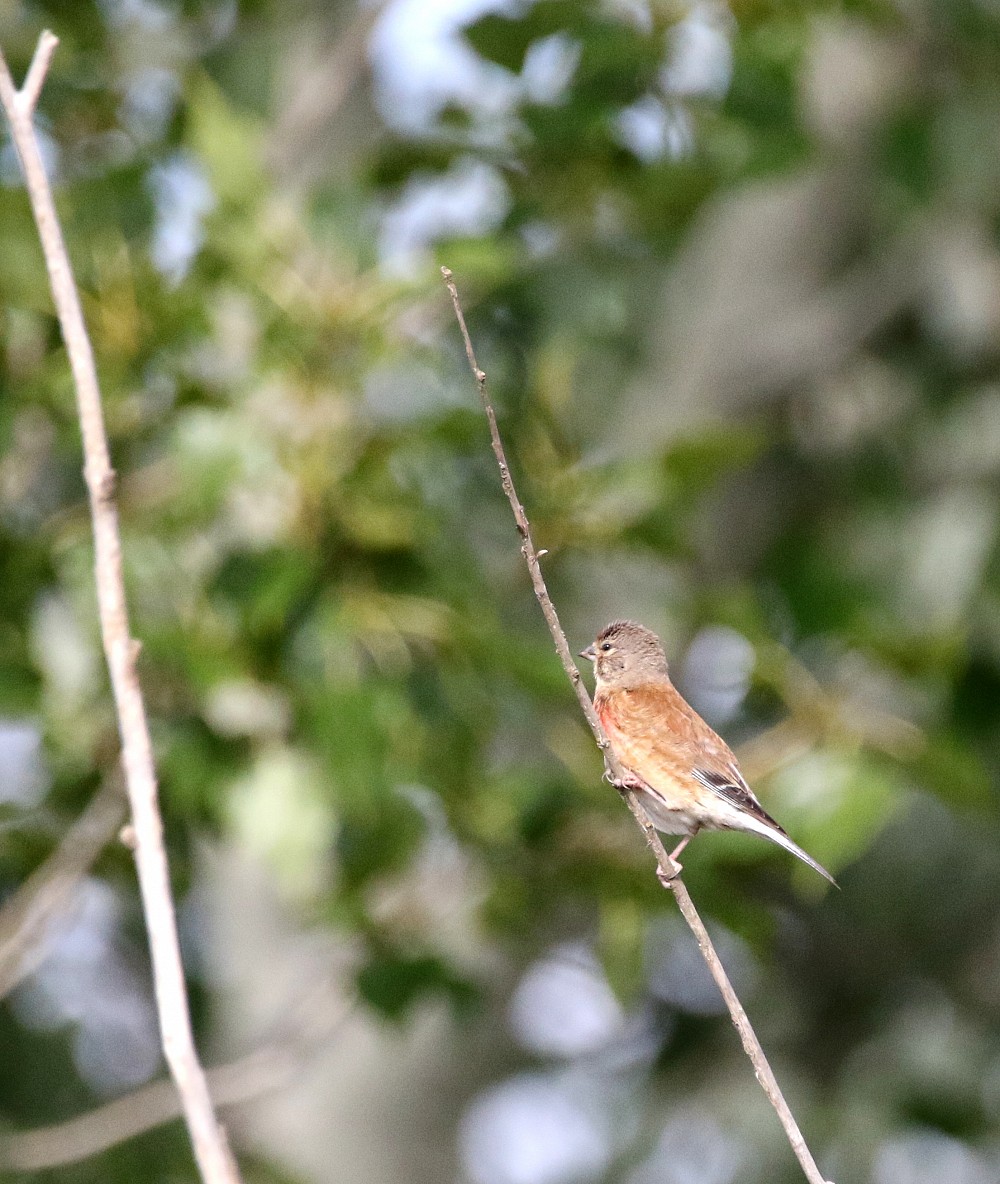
(634, 783)
(680, 847)
(667, 880)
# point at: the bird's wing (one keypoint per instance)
(731, 786)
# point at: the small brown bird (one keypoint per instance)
(686, 776)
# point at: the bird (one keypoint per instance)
(686, 777)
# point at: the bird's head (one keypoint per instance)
(627, 654)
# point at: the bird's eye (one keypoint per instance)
(605, 646)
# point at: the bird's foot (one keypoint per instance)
(669, 878)
(626, 783)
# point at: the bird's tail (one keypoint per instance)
(777, 835)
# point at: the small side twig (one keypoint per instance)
(35, 78)
(215, 1160)
(668, 870)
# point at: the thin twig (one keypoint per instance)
(668, 870)
(211, 1148)
(26, 919)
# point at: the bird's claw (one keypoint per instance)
(626, 783)
(667, 878)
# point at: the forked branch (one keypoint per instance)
(668, 870)
(211, 1148)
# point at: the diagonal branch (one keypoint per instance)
(211, 1148)
(261, 1072)
(274, 1066)
(26, 918)
(667, 869)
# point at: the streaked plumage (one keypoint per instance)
(687, 777)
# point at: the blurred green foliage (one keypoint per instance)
(742, 331)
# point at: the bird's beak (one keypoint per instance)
(589, 653)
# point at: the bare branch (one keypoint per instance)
(668, 870)
(211, 1148)
(273, 1066)
(143, 1110)
(25, 919)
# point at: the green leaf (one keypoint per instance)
(393, 983)
(505, 40)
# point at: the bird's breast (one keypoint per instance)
(640, 736)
